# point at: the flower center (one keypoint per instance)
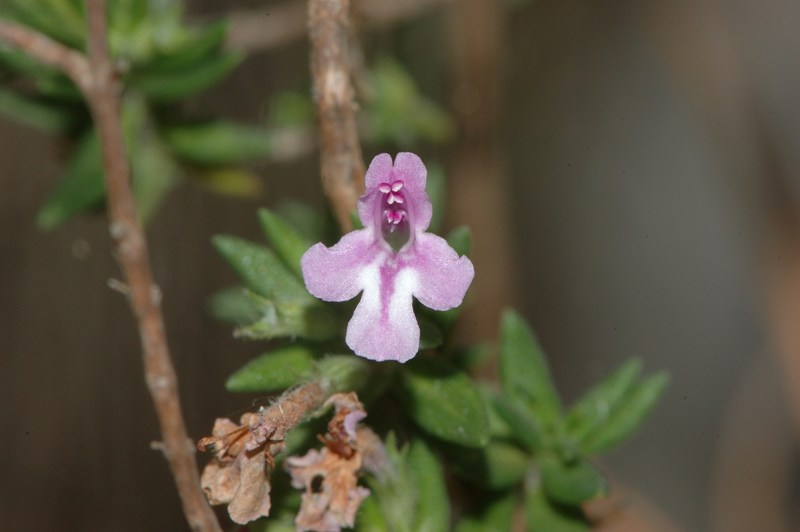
(395, 228)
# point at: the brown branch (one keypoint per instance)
(255, 30)
(340, 151)
(73, 64)
(95, 77)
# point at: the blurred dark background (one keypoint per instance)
(642, 162)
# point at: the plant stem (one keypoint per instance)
(340, 151)
(95, 77)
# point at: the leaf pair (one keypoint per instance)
(562, 444)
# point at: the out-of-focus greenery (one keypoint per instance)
(161, 61)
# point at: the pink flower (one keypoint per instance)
(391, 260)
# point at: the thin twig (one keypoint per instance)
(73, 64)
(95, 77)
(340, 151)
(255, 30)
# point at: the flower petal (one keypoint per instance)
(379, 171)
(410, 168)
(332, 274)
(442, 276)
(383, 327)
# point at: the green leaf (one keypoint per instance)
(445, 402)
(154, 172)
(282, 319)
(370, 517)
(235, 305)
(524, 373)
(36, 113)
(496, 514)
(81, 188)
(432, 512)
(169, 86)
(571, 483)
(396, 112)
(58, 20)
(628, 416)
(273, 371)
(344, 373)
(196, 48)
(460, 239)
(497, 466)
(543, 514)
(593, 409)
(393, 490)
(288, 243)
(523, 425)
(217, 143)
(261, 270)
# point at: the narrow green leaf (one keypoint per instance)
(81, 188)
(543, 514)
(524, 373)
(524, 426)
(460, 239)
(261, 270)
(573, 483)
(289, 319)
(154, 172)
(432, 513)
(393, 489)
(274, 371)
(370, 517)
(235, 305)
(594, 408)
(195, 49)
(497, 466)
(288, 243)
(35, 113)
(169, 86)
(628, 416)
(217, 143)
(445, 402)
(497, 514)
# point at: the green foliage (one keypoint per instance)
(409, 495)
(288, 242)
(495, 513)
(273, 371)
(571, 483)
(81, 187)
(523, 370)
(396, 111)
(444, 402)
(542, 513)
(161, 61)
(217, 142)
(497, 466)
(628, 416)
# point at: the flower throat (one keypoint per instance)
(395, 227)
